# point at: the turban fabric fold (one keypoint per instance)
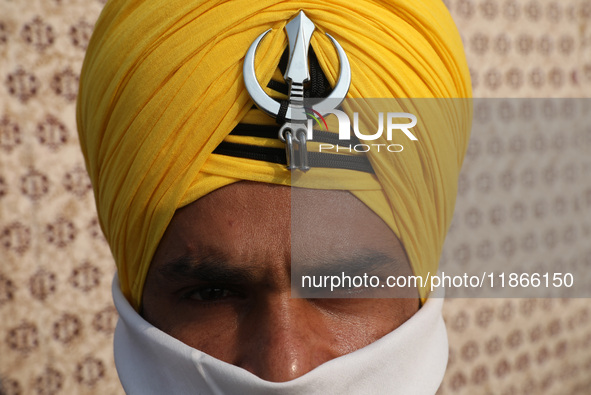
(162, 87)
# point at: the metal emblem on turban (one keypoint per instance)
(294, 131)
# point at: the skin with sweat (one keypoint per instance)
(220, 278)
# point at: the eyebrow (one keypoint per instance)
(217, 267)
(358, 263)
(211, 268)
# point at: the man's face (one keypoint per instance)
(220, 278)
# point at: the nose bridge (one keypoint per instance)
(284, 345)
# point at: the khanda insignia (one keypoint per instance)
(294, 131)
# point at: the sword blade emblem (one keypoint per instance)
(293, 132)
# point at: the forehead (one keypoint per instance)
(269, 228)
(270, 233)
(249, 216)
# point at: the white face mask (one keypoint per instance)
(409, 360)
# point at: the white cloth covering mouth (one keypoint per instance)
(411, 360)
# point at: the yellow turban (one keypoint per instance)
(162, 86)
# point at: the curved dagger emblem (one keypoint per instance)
(294, 131)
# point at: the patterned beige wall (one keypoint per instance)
(523, 197)
(56, 315)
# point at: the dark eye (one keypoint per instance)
(210, 294)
